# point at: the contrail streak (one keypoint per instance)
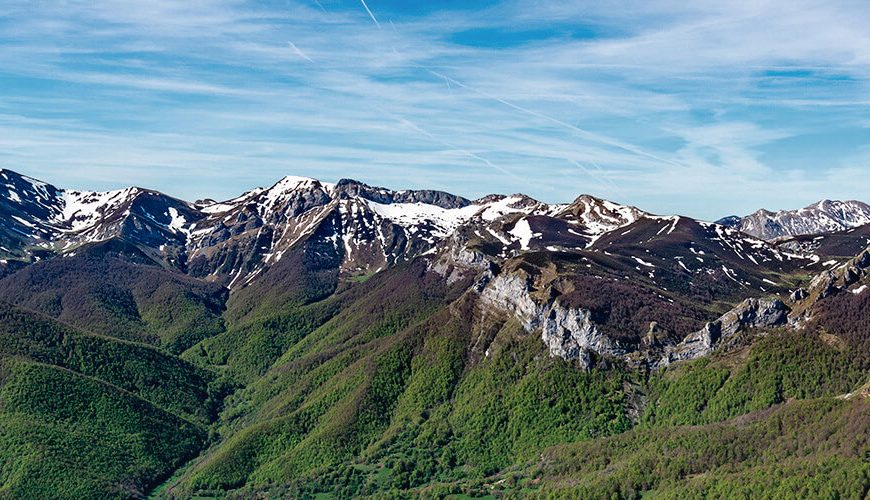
(470, 154)
(448, 80)
(370, 14)
(299, 52)
(579, 131)
(612, 184)
(602, 180)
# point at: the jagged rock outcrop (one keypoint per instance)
(349, 188)
(568, 333)
(654, 337)
(749, 314)
(827, 283)
(799, 294)
(459, 259)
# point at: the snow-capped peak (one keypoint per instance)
(363, 227)
(826, 216)
(599, 215)
(82, 209)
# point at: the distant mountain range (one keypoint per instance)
(313, 338)
(369, 228)
(819, 218)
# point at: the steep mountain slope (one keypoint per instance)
(406, 349)
(633, 293)
(460, 393)
(820, 218)
(832, 248)
(26, 207)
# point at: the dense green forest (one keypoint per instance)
(85, 416)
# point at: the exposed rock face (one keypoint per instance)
(798, 294)
(459, 259)
(751, 313)
(350, 188)
(569, 333)
(654, 336)
(830, 282)
(823, 284)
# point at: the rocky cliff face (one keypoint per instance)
(794, 311)
(568, 333)
(751, 313)
(350, 189)
(853, 275)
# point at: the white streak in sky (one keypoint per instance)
(370, 14)
(299, 52)
(600, 176)
(465, 152)
(583, 133)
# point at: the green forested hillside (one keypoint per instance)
(112, 288)
(800, 449)
(145, 371)
(86, 416)
(403, 384)
(66, 435)
(785, 365)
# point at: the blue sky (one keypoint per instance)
(698, 108)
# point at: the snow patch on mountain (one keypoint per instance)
(83, 209)
(412, 215)
(522, 231)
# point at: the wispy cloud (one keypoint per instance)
(698, 108)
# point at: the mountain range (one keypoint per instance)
(823, 217)
(341, 339)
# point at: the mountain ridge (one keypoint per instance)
(64, 219)
(822, 217)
